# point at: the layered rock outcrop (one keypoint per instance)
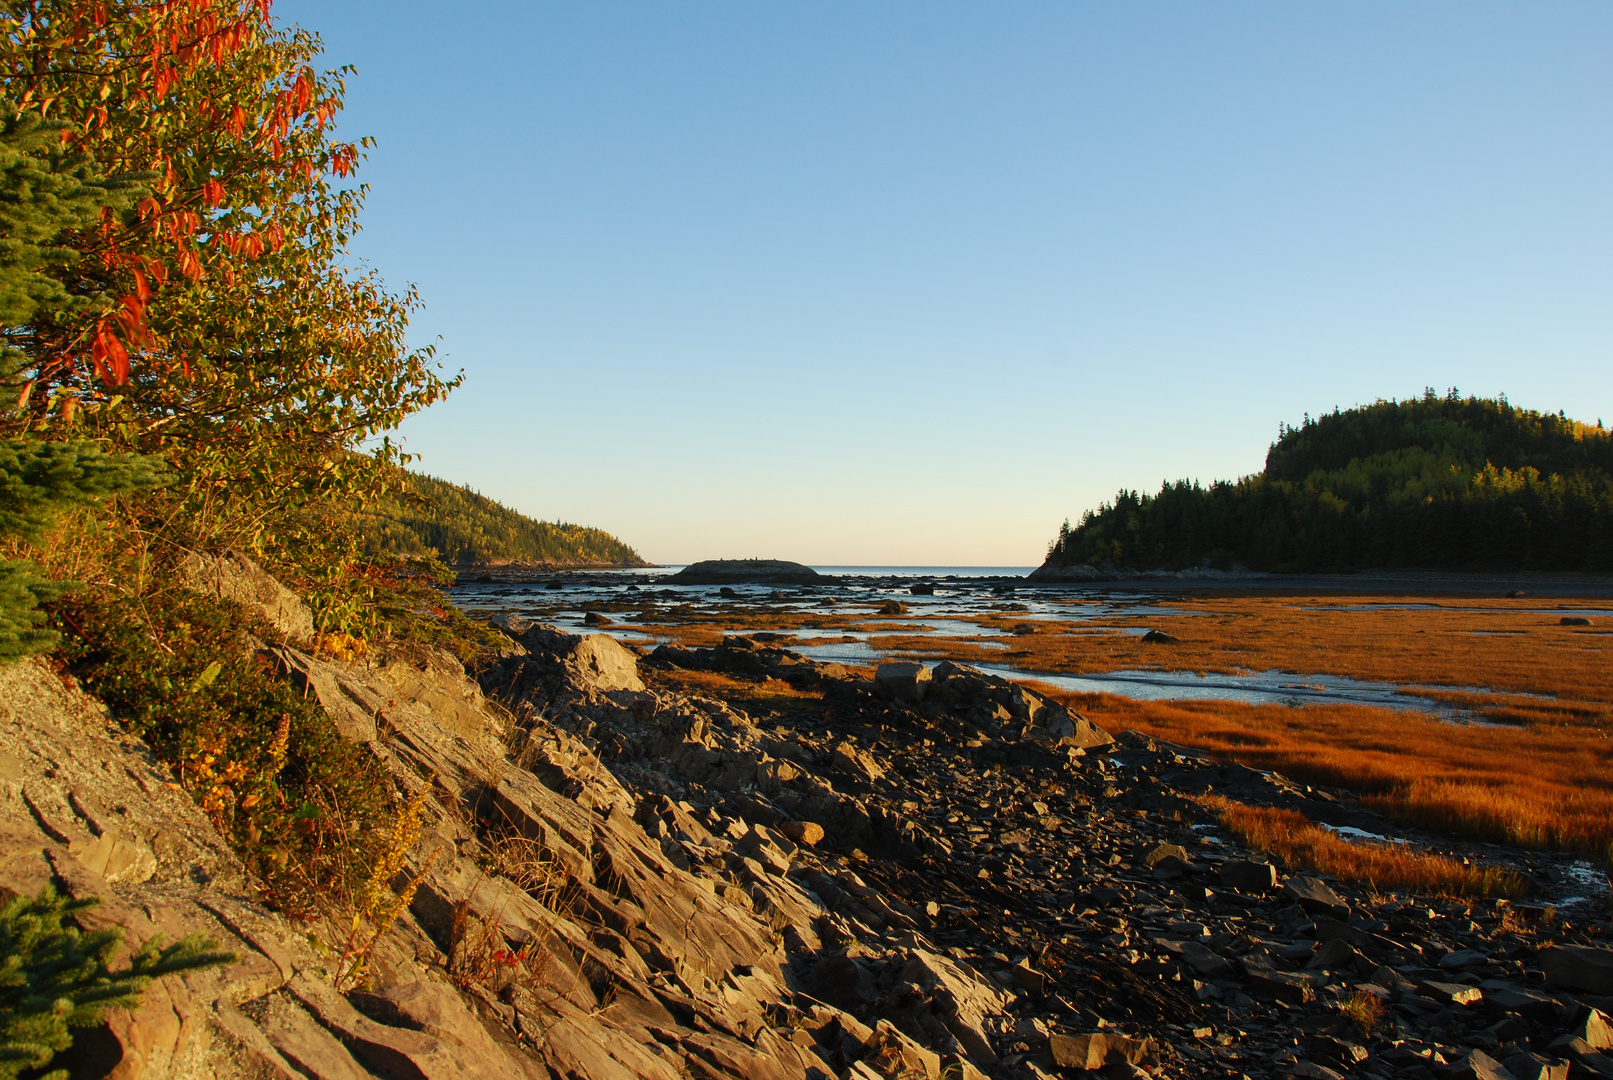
(619, 880)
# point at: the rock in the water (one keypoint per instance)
(747, 571)
(1579, 967)
(904, 679)
(1160, 637)
(923, 588)
(594, 618)
(893, 607)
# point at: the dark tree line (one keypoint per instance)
(1447, 483)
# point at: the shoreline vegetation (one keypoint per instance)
(467, 530)
(1446, 483)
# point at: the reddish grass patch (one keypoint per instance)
(1299, 843)
(1534, 786)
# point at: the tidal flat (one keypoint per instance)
(1467, 706)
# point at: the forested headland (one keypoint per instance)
(428, 516)
(1454, 483)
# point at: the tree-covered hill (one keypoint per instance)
(1449, 483)
(467, 528)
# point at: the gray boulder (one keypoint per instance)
(906, 680)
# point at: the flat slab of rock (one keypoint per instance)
(1579, 967)
(1315, 896)
(747, 571)
(230, 575)
(1245, 875)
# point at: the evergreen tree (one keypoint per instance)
(44, 193)
(1452, 482)
(55, 978)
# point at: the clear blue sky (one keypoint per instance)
(913, 282)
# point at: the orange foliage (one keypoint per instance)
(1532, 786)
(1300, 844)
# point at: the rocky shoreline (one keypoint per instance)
(929, 873)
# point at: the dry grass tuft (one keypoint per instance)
(1364, 1011)
(1301, 844)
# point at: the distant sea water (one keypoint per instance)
(926, 571)
(889, 571)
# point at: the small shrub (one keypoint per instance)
(306, 810)
(379, 906)
(1364, 1011)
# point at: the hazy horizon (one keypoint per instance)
(912, 284)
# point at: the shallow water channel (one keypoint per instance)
(953, 610)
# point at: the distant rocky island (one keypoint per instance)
(749, 572)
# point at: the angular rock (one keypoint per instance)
(905, 680)
(1087, 735)
(806, 833)
(961, 997)
(1595, 1030)
(1158, 853)
(1088, 1051)
(1248, 876)
(1448, 993)
(1268, 983)
(231, 575)
(1479, 1066)
(1315, 896)
(1309, 1070)
(1530, 1066)
(1579, 967)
